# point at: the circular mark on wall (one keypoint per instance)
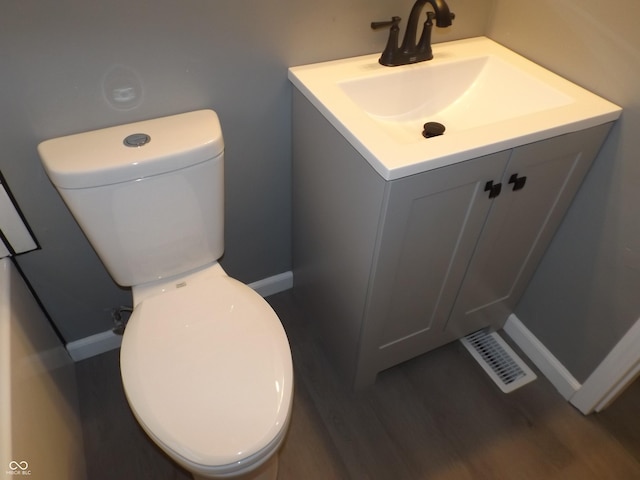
(122, 88)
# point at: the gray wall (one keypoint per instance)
(61, 61)
(586, 293)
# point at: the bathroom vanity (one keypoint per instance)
(390, 264)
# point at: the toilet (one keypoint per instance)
(205, 362)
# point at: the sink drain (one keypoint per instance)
(432, 129)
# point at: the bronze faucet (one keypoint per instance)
(410, 51)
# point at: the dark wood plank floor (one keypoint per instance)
(436, 417)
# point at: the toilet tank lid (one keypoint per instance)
(101, 157)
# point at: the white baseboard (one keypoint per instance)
(93, 345)
(275, 284)
(105, 341)
(542, 358)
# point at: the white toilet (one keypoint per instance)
(205, 362)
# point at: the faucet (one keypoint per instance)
(410, 51)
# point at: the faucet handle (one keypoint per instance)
(390, 52)
(389, 23)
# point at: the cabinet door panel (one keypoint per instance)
(433, 233)
(430, 227)
(519, 227)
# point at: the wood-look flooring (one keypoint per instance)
(437, 417)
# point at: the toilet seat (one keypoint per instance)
(207, 371)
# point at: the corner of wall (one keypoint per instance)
(542, 358)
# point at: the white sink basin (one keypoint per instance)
(463, 94)
(488, 98)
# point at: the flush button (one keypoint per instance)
(137, 140)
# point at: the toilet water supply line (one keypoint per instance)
(119, 321)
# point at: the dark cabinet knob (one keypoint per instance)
(494, 189)
(517, 182)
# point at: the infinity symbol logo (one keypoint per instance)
(13, 465)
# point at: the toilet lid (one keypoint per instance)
(207, 370)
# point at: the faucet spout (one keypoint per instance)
(443, 17)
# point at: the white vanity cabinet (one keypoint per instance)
(387, 270)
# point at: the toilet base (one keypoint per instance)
(266, 471)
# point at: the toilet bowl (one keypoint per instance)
(205, 362)
(207, 372)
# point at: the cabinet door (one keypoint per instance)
(521, 224)
(430, 225)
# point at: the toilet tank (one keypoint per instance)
(149, 195)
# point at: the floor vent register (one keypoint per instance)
(501, 363)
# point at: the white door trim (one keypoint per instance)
(619, 368)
